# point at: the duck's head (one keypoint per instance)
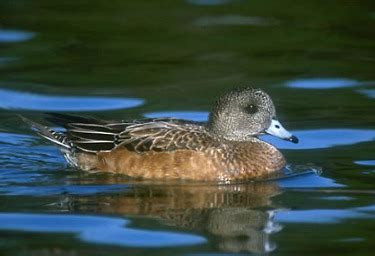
(246, 112)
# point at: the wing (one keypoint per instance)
(162, 134)
(165, 135)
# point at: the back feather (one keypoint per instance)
(93, 135)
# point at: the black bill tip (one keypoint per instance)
(293, 139)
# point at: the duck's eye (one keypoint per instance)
(251, 109)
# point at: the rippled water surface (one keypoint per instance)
(136, 59)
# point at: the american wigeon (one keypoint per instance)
(225, 148)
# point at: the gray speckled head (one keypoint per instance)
(243, 113)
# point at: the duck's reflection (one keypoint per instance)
(236, 217)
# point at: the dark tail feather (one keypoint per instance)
(57, 138)
(64, 120)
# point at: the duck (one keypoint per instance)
(225, 148)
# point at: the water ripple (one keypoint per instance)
(369, 93)
(324, 216)
(200, 116)
(96, 229)
(309, 180)
(324, 138)
(14, 36)
(45, 190)
(38, 102)
(322, 83)
(366, 162)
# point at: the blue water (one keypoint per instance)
(322, 83)
(36, 102)
(67, 201)
(102, 230)
(14, 36)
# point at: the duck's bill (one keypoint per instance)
(276, 129)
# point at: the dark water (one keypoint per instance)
(122, 59)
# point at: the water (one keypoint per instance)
(138, 59)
